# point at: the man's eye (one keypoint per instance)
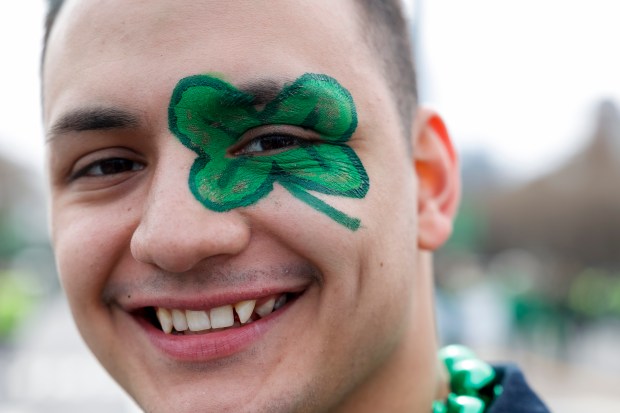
(270, 143)
(109, 167)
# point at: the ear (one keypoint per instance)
(437, 168)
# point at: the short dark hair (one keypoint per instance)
(386, 32)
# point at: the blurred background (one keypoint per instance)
(529, 90)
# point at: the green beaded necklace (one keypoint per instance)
(473, 383)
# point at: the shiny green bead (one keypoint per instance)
(498, 390)
(454, 353)
(464, 404)
(439, 407)
(469, 376)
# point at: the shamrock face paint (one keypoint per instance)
(211, 116)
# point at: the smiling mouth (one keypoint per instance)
(179, 321)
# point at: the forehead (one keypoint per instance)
(143, 47)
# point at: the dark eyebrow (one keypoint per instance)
(89, 119)
(263, 90)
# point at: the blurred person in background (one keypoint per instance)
(245, 198)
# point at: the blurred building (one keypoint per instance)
(568, 218)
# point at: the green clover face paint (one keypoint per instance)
(209, 116)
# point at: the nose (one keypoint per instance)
(176, 232)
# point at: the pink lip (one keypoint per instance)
(210, 346)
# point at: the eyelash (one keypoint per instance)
(114, 162)
(285, 140)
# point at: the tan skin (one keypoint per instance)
(361, 337)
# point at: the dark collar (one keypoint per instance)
(517, 396)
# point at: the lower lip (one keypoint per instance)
(210, 346)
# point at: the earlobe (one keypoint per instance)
(437, 169)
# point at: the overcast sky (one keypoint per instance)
(20, 114)
(519, 78)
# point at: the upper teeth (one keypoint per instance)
(244, 310)
(219, 317)
(197, 320)
(222, 316)
(266, 308)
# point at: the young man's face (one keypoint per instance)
(136, 227)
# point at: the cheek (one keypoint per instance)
(87, 244)
(368, 268)
(389, 216)
(308, 232)
(392, 199)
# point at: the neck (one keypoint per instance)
(410, 377)
(442, 390)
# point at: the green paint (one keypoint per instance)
(209, 116)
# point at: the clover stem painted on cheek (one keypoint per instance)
(338, 216)
(210, 116)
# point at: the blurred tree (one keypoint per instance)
(15, 192)
(22, 235)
